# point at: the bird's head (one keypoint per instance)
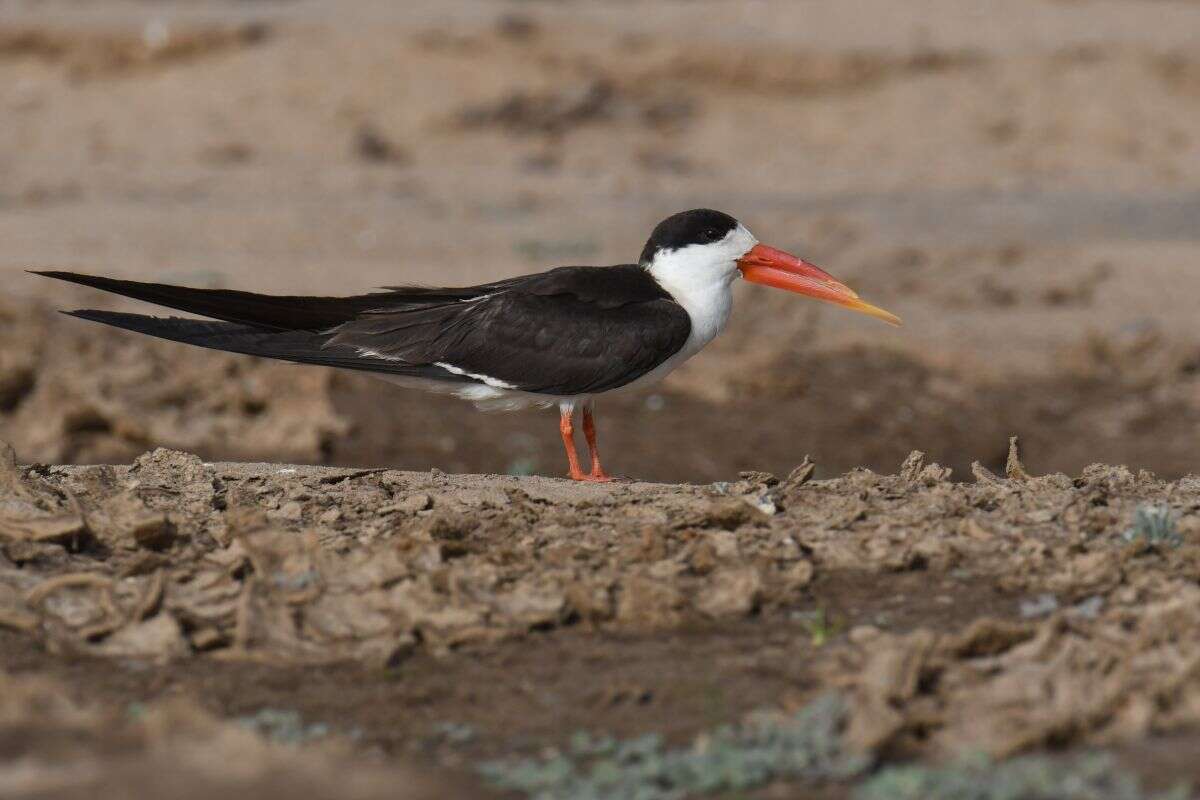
(702, 247)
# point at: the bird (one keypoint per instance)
(560, 338)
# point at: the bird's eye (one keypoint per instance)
(711, 234)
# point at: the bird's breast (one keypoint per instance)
(708, 306)
(709, 313)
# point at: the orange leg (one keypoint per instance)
(589, 432)
(567, 429)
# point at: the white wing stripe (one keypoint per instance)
(495, 382)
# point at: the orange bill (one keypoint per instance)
(772, 267)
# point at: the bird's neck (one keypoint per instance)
(707, 297)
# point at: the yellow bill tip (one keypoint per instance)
(864, 307)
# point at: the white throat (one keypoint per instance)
(700, 277)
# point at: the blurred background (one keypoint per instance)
(1022, 187)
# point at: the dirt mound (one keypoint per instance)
(172, 557)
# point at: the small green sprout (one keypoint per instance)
(283, 726)
(820, 626)
(1154, 525)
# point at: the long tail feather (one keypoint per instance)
(265, 311)
(300, 346)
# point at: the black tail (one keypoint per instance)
(300, 346)
(261, 310)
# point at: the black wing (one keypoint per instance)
(573, 330)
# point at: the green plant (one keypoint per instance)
(805, 746)
(821, 627)
(283, 727)
(1154, 525)
(1092, 777)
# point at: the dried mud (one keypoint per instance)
(381, 604)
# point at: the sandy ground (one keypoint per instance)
(416, 626)
(1021, 186)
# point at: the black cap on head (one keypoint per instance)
(698, 226)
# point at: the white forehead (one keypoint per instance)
(740, 239)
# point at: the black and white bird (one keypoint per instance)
(555, 338)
